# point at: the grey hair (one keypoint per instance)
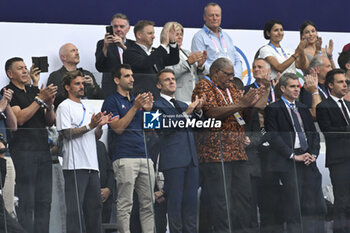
(285, 77)
(316, 61)
(267, 64)
(220, 64)
(210, 4)
(120, 16)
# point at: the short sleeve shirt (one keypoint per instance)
(231, 132)
(268, 51)
(32, 135)
(79, 152)
(129, 144)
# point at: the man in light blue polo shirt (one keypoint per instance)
(133, 171)
(216, 42)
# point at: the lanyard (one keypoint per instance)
(272, 91)
(284, 54)
(212, 40)
(324, 93)
(227, 91)
(294, 109)
(82, 121)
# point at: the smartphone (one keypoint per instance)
(109, 29)
(41, 63)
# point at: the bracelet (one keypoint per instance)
(88, 127)
(51, 108)
(315, 93)
(330, 57)
(39, 101)
(295, 58)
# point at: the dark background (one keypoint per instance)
(237, 14)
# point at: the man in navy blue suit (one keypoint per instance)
(178, 156)
(295, 145)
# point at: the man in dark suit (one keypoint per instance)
(333, 118)
(147, 61)
(178, 157)
(109, 51)
(295, 146)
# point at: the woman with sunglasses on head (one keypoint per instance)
(281, 59)
(313, 47)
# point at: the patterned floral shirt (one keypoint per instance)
(231, 134)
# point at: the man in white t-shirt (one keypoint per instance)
(80, 127)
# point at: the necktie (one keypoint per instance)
(345, 112)
(297, 126)
(177, 106)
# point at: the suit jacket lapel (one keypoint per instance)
(168, 106)
(337, 109)
(286, 113)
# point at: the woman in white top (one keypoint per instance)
(313, 47)
(281, 59)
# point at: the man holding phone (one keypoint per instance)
(109, 51)
(70, 58)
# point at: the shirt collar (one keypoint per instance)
(168, 98)
(144, 48)
(22, 90)
(208, 30)
(119, 96)
(336, 99)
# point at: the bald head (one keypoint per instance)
(69, 54)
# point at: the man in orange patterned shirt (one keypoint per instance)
(222, 149)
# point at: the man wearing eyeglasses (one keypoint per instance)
(109, 51)
(224, 148)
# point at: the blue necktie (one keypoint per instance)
(297, 126)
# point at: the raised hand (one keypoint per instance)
(252, 97)
(34, 73)
(95, 120)
(105, 118)
(276, 80)
(6, 99)
(48, 94)
(329, 48)
(149, 102)
(172, 33)
(194, 57)
(164, 36)
(7, 94)
(89, 81)
(311, 82)
(114, 39)
(203, 58)
(144, 100)
(318, 44)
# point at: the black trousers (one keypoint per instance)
(239, 200)
(89, 205)
(34, 189)
(340, 177)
